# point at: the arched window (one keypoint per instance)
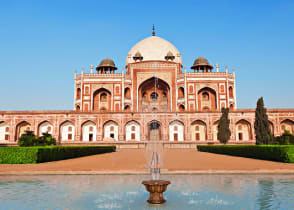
(78, 108)
(127, 93)
(181, 108)
(231, 95)
(7, 129)
(154, 96)
(103, 97)
(133, 128)
(78, 93)
(127, 108)
(181, 92)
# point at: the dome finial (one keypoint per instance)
(153, 31)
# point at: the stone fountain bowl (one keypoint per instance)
(156, 189)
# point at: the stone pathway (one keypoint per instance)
(135, 161)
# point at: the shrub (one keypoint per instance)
(27, 139)
(281, 153)
(20, 155)
(286, 139)
(45, 140)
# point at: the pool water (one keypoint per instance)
(127, 192)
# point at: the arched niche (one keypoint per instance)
(231, 94)
(88, 131)
(67, 131)
(181, 108)
(154, 93)
(78, 97)
(207, 99)
(132, 131)
(181, 92)
(22, 127)
(243, 130)
(45, 127)
(198, 130)
(110, 130)
(102, 100)
(176, 131)
(127, 108)
(4, 131)
(287, 125)
(127, 93)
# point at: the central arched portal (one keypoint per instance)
(154, 131)
(154, 95)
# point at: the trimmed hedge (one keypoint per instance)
(25, 155)
(281, 153)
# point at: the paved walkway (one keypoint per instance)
(135, 161)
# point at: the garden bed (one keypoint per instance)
(25, 155)
(280, 153)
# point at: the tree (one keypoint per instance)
(45, 140)
(223, 128)
(27, 139)
(261, 125)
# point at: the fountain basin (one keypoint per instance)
(156, 189)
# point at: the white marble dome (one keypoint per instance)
(154, 48)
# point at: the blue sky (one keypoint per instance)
(42, 42)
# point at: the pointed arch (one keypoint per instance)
(181, 92)
(198, 130)
(154, 93)
(21, 128)
(45, 126)
(110, 130)
(132, 130)
(287, 124)
(127, 108)
(243, 130)
(102, 100)
(4, 131)
(67, 131)
(231, 94)
(88, 131)
(207, 99)
(176, 130)
(181, 108)
(127, 93)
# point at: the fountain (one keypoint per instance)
(155, 186)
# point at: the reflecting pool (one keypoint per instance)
(127, 192)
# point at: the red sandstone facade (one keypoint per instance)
(154, 99)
